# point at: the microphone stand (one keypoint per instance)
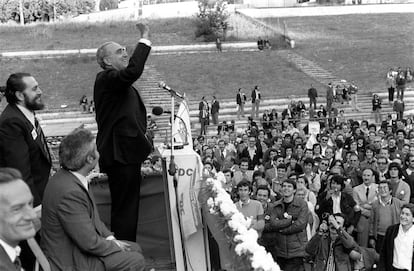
(172, 169)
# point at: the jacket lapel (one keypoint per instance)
(31, 130)
(94, 212)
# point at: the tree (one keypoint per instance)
(42, 10)
(211, 21)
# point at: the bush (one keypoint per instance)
(42, 10)
(108, 4)
(211, 21)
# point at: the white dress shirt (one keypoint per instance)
(403, 249)
(82, 179)
(336, 207)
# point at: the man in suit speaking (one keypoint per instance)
(73, 235)
(122, 120)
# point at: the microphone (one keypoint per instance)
(158, 110)
(170, 90)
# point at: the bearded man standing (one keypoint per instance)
(22, 142)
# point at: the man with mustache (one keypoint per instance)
(22, 142)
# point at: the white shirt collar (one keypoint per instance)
(12, 252)
(81, 178)
(27, 113)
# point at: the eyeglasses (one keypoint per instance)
(324, 164)
(324, 140)
(120, 51)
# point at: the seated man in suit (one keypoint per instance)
(16, 217)
(73, 235)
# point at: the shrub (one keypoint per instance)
(42, 10)
(108, 4)
(211, 21)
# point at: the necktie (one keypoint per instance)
(367, 192)
(39, 132)
(222, 155)
(17, 263)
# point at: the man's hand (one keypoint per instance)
(144, 30)
(333, 221)
(371, 243)
(123, 245)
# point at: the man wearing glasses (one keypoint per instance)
(122, 123)
(382, 163)
(324, 143)
(385, 212)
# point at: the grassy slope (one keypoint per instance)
(354, 47)
(358, 47)
(221, 74)
(91, 35)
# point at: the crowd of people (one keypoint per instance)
(338, 199)
(328, 201)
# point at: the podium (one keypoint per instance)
(167, 244)
(189, 234)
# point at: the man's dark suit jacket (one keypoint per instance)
(120, 113)
(5, 262)
(347, 204)
(240, 98)
(253, 96)
(215, 107)
(19, 150)
(256, 158)
(73, 237)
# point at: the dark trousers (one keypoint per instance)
(391, 94)
(379, 243)
(397, 269)
(291, 264)
(204, 123)
(312, 101)
(400, 91)
(124, 184)
(400, 115)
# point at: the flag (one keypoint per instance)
(182, 126)
(187, 190)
